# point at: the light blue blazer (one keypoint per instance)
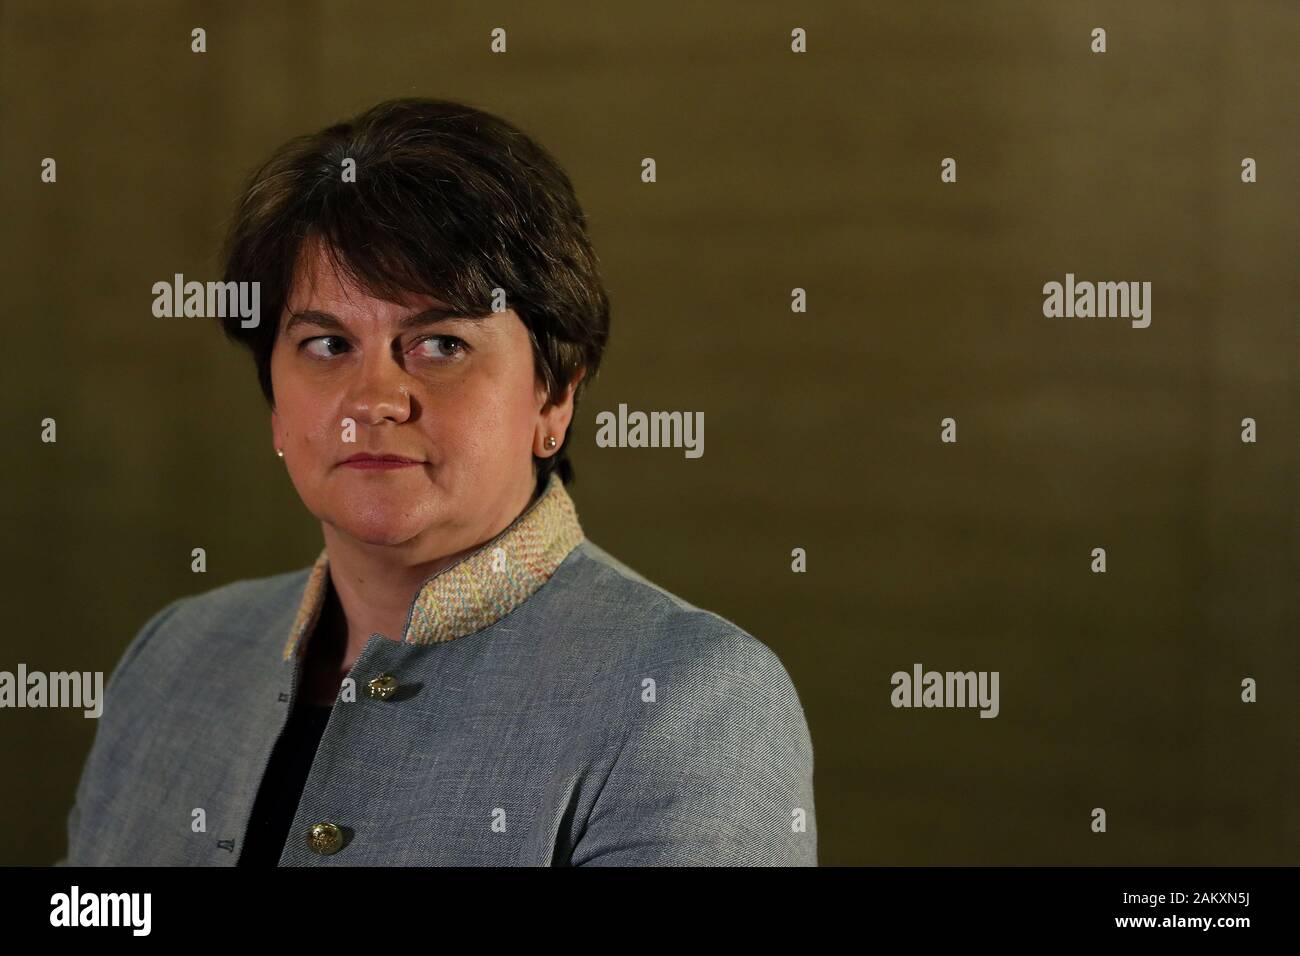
(552, 707)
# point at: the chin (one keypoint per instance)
(380, 525)
(389, 537)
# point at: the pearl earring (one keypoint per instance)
(550, 441)
(280, 452)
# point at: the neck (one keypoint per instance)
(376, 584)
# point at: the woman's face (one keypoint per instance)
(454, 400)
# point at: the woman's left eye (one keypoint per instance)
(439, 347)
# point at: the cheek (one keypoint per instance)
(494, 418)
(307, 423)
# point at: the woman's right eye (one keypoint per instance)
(324, 346)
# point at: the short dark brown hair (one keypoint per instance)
(449, 201)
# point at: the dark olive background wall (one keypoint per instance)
(775, 171)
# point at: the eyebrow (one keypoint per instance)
(327, 320)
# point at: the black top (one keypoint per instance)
(282, 785)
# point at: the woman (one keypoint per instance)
(462, 677)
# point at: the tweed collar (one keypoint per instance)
(482, 587)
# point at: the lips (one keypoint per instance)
(367, 461)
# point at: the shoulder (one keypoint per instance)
(635, 640)
(244, 605)
(255, 612)
(654, 626)
(705, 751)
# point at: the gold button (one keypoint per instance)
(382, 687)
(324, 838)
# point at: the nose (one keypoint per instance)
(379, 391)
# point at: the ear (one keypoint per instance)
(276, 442)
(554, 419)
